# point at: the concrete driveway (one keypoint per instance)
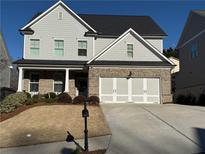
(155, 129)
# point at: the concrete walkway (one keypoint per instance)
(95, 143)
(155, 129)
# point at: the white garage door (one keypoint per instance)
(121, 90)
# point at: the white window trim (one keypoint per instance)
(60, 12)
(30, 46)
(58, 39)
(132, 49)
(83, 39)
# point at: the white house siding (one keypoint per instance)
(50, 28)
(101, 43)
(157, 43)
(119, 51)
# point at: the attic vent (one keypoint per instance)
(60, 16)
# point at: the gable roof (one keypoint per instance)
(130, 30)
(108, 25)
(38, 16)
(115, 25)
(194, 26)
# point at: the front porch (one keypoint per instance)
(37, 80)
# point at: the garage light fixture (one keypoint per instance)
(129, 75)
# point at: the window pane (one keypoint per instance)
(33, 87)
(60, 15)
(82, 44)
(58, 52)
(130, 54)
(34, 47)
(130, 50)
(58, 87)
(82, 52)
(59, 48)
(194, 50)
(130, 46)
(34, 51)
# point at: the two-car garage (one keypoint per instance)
(122, 90)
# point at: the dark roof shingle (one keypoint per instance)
(117, 24)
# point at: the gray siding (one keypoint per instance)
(50, 28)
(191, 78)
(5, 77)
(119, 51)
(101, 43)
(157, 43)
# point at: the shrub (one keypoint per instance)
(94, 100)
(12, 101)
(50, 95)
(190, 99)
(201, 100)
(50, 100)
(180, 99)
(64, 98)
(31, 101)
(186, 99)
(28, 95)
(38, 98)
(79, 99)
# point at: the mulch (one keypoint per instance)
(5, 116)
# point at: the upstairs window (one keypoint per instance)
(82, 48)
(130, 50)
(34, 83)
(34, 47)
(194, 50)
(60, 16)
(59, 48)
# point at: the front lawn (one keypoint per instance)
(49, 123)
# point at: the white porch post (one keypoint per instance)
(20, 79)
(67, 80)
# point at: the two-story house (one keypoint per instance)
(118, 58)
(191, 45)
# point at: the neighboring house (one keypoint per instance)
(191, 45)
(175, 60)
(174, 72)
(7, 72)
(118, 58)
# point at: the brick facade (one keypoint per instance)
(163, 74)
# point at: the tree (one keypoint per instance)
(171, 52)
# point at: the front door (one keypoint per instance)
(82, 86)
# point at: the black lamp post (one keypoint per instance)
(85, 114)
(70, 138)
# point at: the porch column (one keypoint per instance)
(67, 80)
(20, 79)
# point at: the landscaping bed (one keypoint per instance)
(5, 116)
